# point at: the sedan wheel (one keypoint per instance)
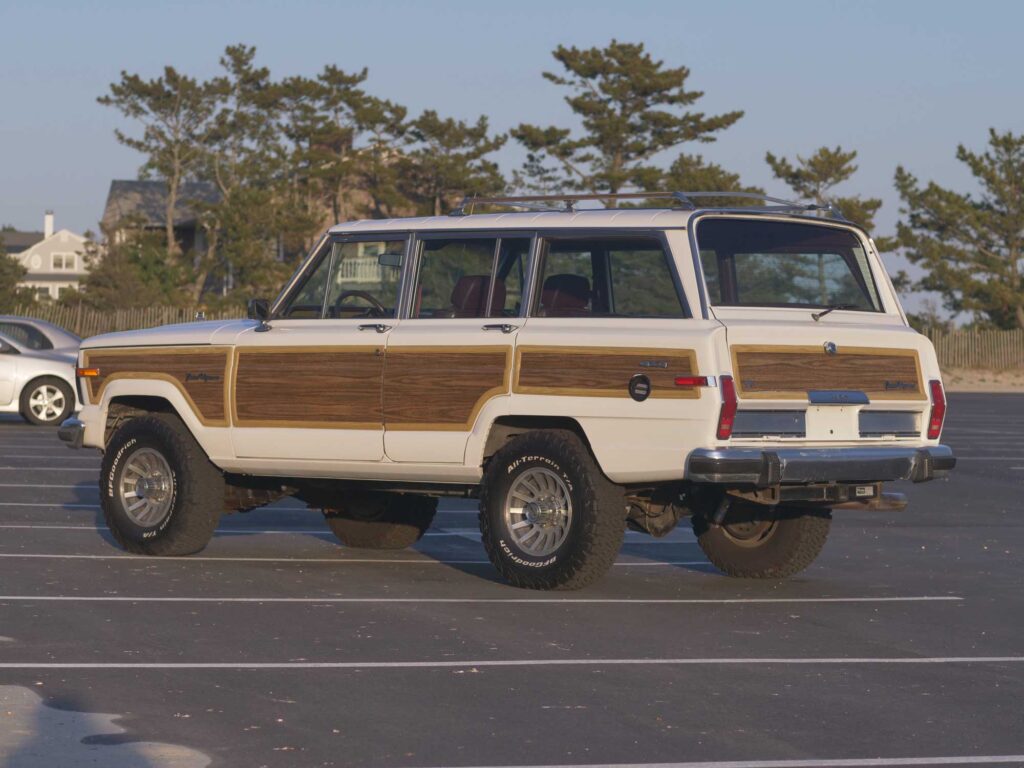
(47, 401)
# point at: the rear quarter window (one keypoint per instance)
(607, 277)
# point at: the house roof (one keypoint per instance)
(16, 242)
(148, 201)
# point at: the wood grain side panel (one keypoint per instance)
(309, 387)
(201, 374)
(790, 372)
(442, 388)
(602, 371)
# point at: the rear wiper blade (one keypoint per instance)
(832, 308)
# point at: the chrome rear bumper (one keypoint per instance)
(780, 466)
(72, 432)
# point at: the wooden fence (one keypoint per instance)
(989, 350)
(90, 322)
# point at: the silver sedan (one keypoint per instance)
(38, 334)
(38, 384)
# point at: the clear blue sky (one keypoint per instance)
(901, 82)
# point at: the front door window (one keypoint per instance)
(351, 280)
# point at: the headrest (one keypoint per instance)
(565, 294)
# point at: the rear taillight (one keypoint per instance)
(938, 414)
(728, 414)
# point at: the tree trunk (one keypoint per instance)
(1020, 315)
(172, 201)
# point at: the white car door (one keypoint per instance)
(8, 371)
(449, 362)
(310, 386)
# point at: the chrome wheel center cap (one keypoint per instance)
(541, 511)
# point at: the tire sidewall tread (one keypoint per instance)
(197, 488)
(599, 513)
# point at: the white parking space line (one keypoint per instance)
(91, 470)
(90, 487)
(866, 762)
(474, 600)
(480, 663)
(277, 506)
(5, 456)
(332, 560)
(220, 531)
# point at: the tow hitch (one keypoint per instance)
(836, 495)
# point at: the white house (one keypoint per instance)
(55, 260)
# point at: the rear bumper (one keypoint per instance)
(72, 432)
(765, 468)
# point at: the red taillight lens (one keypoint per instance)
(938, 414)
(729, 404)
(691, 381)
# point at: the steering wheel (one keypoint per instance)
(374, 303)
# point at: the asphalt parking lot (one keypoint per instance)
(902, 645)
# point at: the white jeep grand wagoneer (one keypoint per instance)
(579, 371)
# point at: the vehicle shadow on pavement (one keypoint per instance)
(59, 731)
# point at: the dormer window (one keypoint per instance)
(63, 262)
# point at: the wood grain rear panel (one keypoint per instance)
(200, 373)
(442, 388)
(789, 372)
(602, 371)
(309, 387)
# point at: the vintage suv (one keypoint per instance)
(576, 370)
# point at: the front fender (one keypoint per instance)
(214, 440)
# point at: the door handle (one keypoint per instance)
(503, 327)
(378, 327)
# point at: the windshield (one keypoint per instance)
(750, 263)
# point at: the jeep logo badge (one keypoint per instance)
(830, 348)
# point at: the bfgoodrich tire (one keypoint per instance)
(383, 520)
(159, 492)
(757, 542)
(46, 401)
(548, 517)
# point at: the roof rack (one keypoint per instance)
(684, 200)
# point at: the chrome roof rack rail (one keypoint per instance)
(685, 200)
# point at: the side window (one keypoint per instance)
(364, 281)
(308, 302)
(454, 278)
(31, 337)
(607, 277)
(351, 280)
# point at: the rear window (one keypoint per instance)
(750, 263)
(27, 335)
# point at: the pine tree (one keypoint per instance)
(971, 248)
(631, 108)
(813, 178)
(450, 162)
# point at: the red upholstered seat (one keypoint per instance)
(469, 296)
(565, 296)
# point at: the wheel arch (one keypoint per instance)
(126, 398)
(504, 428)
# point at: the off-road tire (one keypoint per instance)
(197, 488)
(598, 523)
(25, 405)
(794, 543)
(383, 520)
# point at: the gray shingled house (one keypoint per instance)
(143, 204)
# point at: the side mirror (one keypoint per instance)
(390, 260)
(258, 309)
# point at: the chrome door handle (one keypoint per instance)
(378, 327)
(503, 327)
